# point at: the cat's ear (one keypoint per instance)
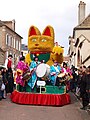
(48, 31)
(33, 31)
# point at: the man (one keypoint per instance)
(8, 63)
(83, 93)
(88, 83)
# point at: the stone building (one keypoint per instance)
(24, 49)
(2, 56)
(79, 43)
(10, 41)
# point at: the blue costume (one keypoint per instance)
(54, 71)
(33, 78)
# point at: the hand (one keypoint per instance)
(29, 73)
(34, 69)
(87, 91)
(53, 73)
(6, 83)
(80, 99)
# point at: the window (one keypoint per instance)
(7, 54)
(17, 44)
(7, 39)
(10, 53)
(78, 57)
(14, 43)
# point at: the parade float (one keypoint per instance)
(42, 46)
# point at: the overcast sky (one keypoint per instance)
(62, 15)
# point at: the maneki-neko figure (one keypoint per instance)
(42, 45)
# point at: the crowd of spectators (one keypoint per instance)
(80, 85)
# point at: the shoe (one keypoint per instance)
(3, 98)
(88, 107)
(0, 99)
(83, 108)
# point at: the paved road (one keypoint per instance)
(12, 111)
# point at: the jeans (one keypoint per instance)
(1, 94)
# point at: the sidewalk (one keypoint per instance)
(77, 97)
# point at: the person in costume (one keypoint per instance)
(68, 75)
(10, 84)
(22, 69)
(8, 63)
(33, 78)
(54, 71)
(66, 69)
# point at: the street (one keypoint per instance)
(12, 111)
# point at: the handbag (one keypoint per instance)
(3, 87)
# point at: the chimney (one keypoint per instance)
(81, 12)
(13, 25)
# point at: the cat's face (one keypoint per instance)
(38, 42)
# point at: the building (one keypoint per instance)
(2, 56)
(24, 49)
(66, 59)
(79, 43)
(10, 41)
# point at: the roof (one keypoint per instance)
(84, 25)
(2, 24)
(2, 50)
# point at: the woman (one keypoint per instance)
(5, 80)
(33, 78)
(22, 69)
(68, 75)
(54, 71)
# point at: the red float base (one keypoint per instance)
(40, 99)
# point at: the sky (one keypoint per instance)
(62, 15)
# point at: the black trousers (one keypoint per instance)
(85, 99)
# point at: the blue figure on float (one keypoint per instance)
(33, 67)
(54, 71)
